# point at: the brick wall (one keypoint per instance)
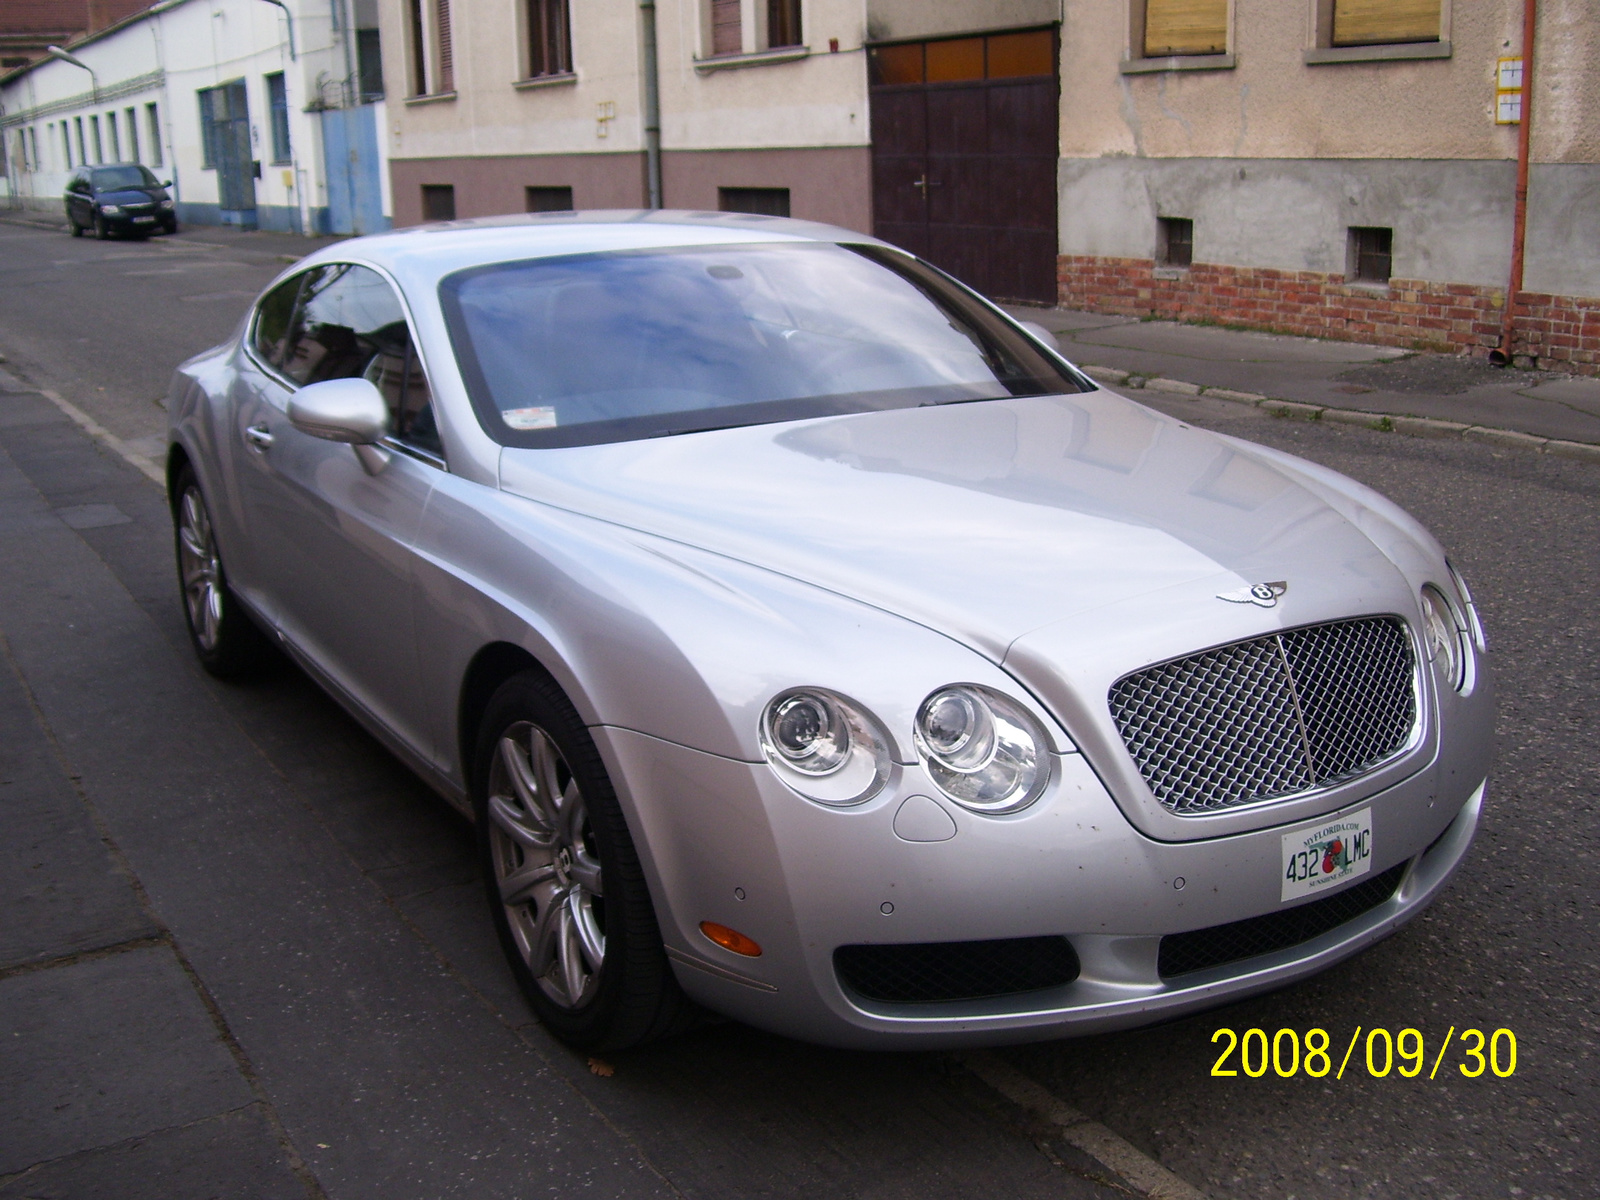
(1560, 333)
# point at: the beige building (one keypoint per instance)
(1341, 167)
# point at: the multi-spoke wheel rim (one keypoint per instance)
(545, 866)
(200, 568)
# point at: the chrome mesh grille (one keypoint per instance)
(1271, 716)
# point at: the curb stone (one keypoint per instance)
(1424, 427)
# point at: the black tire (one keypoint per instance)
(224, 638)
(632, 996)
(101, 229)
(172, 227)
(77, 230)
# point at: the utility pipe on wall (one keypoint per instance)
(652, 102)
(1519, 219)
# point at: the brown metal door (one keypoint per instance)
(964, 152)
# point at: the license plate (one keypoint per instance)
(1326, 855)
(144, 220)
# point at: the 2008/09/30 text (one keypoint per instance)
(1286, 1054)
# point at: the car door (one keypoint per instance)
(330, 558)
(77, 204)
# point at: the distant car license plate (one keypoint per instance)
(144, 220)
(1326, 855)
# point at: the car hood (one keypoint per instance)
(986, 520)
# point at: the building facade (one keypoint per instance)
(1341, 168)
(263, 116)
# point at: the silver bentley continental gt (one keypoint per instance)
(811, 643)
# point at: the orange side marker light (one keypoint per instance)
(730, 939)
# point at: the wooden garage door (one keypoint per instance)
(964, 152)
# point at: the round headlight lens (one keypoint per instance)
(1444, 632)
(824, 747)
(982, 750)
(1480, 639)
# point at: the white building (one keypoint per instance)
(243, 104)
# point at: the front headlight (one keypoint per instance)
(166, 204)
(824, 747)
(1445, 632)
(110, 210)
(982, 750)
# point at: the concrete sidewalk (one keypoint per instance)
(1340, 377)
(281, 247)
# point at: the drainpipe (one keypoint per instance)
(652, 102)
(1519, 220)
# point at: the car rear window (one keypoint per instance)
(613, 347)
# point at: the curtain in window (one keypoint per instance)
(549, 38)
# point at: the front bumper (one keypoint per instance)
(725, 841)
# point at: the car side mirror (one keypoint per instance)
(166, 183)
(344, 410)
(1042, 334)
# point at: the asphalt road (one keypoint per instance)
(262, 955)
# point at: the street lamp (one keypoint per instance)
(94, 80)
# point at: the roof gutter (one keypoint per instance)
(1519, 220)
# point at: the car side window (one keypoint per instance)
(272, 320)
(349, 324)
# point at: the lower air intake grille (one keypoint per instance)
(1271, 716)
(930, 972)
(1202, 948)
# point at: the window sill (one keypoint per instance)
(1323, 56)
(1161, 272)
(1368, 285)
(1178, 62)
(761, 58)
(544, 81)
(434, 98)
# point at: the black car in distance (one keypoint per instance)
(119, 198)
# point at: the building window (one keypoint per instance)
(1370, 255)
(549, 38)
(66, 144)
(1186, 27)
(727, 27)
(1382, 22)
(83, 149)
(116, 138)
(94, 138)
(154, 121)
(278, 105)
(1174, 242)
(783, 23)
(433, 71)
(548, 199)
(438, 202)
(33, 148)
(369, 64)
(762, 201)
(130, 118)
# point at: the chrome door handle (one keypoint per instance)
(258, 435)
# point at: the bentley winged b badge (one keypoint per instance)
(1265, 595)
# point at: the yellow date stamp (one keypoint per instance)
(1286, 1053)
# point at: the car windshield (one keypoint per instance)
(106, 178)
(613, 347)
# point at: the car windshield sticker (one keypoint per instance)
(541, 417)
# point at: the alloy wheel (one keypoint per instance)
(200, 568)
(546, 867)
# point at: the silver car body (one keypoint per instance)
(673, 586)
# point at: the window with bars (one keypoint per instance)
(1174, 27)
(760, 201)
(549, 38)
(438, 202)
(1383, 22)
(548, 199)
(1370, 255)
(1174, 242)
